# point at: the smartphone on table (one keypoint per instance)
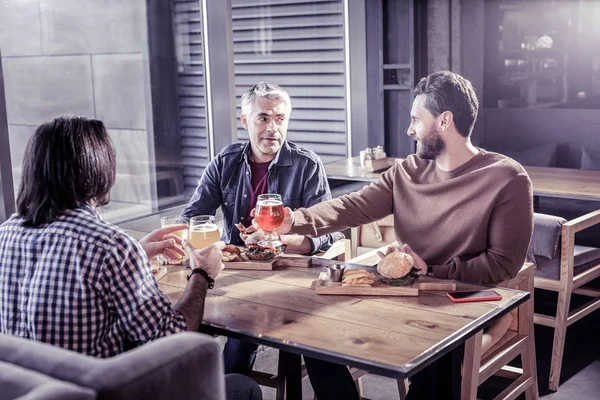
(474, 295)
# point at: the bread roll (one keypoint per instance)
(395, 265)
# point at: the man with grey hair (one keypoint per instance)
(268, 163)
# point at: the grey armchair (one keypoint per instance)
(182, 366)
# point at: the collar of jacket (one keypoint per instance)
(282, 158)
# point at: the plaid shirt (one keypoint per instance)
(80, 283)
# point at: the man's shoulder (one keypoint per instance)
(86, 226)
(232, 150)
(501, 164)
(304, 152)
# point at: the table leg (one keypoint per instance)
(293, 375)
(439, 381)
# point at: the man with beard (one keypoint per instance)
(461, 212)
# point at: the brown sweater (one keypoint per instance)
(473, 223)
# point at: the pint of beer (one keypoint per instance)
(203, 231)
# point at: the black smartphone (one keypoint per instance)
(474, 295)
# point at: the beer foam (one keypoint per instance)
(204, 228)
(271, 202)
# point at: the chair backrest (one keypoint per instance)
(182, 366)
(523, 281)
(372, 236)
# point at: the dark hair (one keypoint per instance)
(68, 162)
(447, 91)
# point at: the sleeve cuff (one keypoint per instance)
(440, 271)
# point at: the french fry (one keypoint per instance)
(355, 271)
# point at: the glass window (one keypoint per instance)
(135, 65)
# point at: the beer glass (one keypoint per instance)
(203, 231)
(175, 220)
(183, 234)
(269, 216)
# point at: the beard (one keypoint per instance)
(431, 146)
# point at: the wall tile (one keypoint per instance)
(20, 32)
(133, 176)
(93, 26)
(119, 90)
(40, 88)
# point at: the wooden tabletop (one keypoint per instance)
(395, 337)
(349, 169)
(564, 182)
(549, 182)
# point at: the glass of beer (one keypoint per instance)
(172, 257)
(203, 231)
(269, 216)
(175, 220)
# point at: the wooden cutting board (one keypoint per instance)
(325, 286)
(159, 272)
(378, 289)
(285, 260)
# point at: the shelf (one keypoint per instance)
(523, 76)
(537, 53)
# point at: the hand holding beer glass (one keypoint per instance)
(203, 231)
(171, 256)
(269, 216)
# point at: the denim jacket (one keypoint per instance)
(296, 173)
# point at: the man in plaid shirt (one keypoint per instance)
(69, 278)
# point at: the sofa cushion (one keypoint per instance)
(18, 382)
(540, 156)
(571, 209)
(584, 259)
(546, 234)
(590, 159)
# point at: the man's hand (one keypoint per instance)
(164, 241)
(419, 263)
(252, 235)
(286, 226)
(209, 258)
(288, 222)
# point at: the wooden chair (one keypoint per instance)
(518, 340)
(372, 236)
(340, 250)
(477, 367)
(576, 270)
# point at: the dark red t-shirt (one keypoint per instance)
(259, 185)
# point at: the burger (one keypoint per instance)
(262, 253)
(397, 268)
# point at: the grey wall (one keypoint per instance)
(83, 57)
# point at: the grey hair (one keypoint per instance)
(268, 90)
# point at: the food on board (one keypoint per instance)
(358, 277)
(397, 268)
(232, 253)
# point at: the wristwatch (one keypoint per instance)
(211, 281)
(429, 270)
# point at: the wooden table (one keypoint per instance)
(547, 182)
(395, 337)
